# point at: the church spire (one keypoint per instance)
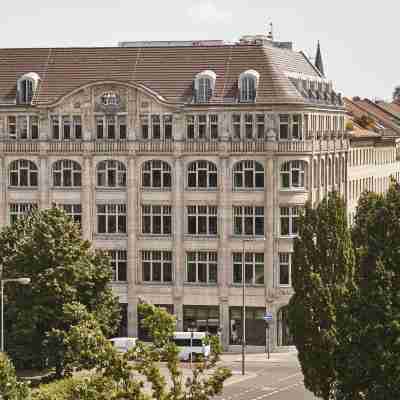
(318, 60)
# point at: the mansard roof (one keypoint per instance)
(166, 71)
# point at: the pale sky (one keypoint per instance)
(359, 38)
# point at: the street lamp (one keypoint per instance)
(21, 281)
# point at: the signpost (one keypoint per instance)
(267, 318)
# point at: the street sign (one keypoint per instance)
(267, 317)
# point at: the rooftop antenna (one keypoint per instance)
(270, 34)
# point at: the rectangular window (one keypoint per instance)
(100, 127)
(214, 126)
(157, 266)
(202, 220)
(168, 127)
(201, 267)
(55, 127)
(66, 126)
(296, 127)
(119, 263)
(253, 268)
(12, 127)
(248, 118)
(34, 127)
(190, 131)
(248, 220)
(144, 126)
(74, 211)
(18, 210)
(284, 273)
(202, 124)
(110, 121)
(111, 218)
(22, 127)
(236, 122)
(284, 126)
(77, 125)
(156, 126)
(156, 220)
(289, 218)
(260, 126)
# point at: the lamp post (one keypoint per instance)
(21, 281)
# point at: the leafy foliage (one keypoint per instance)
(47, 247)
(396, 94)
(322, 275)
(10, 388)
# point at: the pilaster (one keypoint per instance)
(44, 175)
(86, 198)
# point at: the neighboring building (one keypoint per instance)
(178, 159)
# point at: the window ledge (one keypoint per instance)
(238, 190)
(149, 236)
(61, 188)
(289, 236)
(201, 284)
(110, 236)
(147, 189)
(23, 187)
(119, 283)
(201, 237)
(111, 188)
(197, 189)
(248, 285)
(156, 283)
(248, 237)
(297, 190)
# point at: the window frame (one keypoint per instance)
(291, 121)
(164, 171)
(31, 129)
(283, 262)
(31, 174)
(237, 263)
(119, 262)
(75, 171)
(103, 170)
(75, 212)
(240, 169)
(198, 212)
(210, 262)
(203, 126)
(58, 125)
(292, 216)
(166, 257)
(194, 168)
(245, 216)
(106, 122)
(118, 212)
(288, 174)
(165, 126)
(13, 216)
(165, 215)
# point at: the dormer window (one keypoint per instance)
(26, 87)
(204, 85)
(248, 83)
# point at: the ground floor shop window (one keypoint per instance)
(143, 333)
(255, 326)
(123, 325)
(284, 338)
(202, 318)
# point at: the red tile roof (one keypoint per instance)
(168, 71)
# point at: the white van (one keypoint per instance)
(123, 344)
(189, 344)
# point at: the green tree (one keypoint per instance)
(396, 94)
(47, 247)
(10, 388)
(322, 278)
(369, 352)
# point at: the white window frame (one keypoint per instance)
(243, 214)
(204, 85)
(24, 127)
(59, 123)
(71, 167)
(248, 85)
(202, 167)
(152, 211)
(202, 211)
(288, 171)
(112, 210)
(285, 260)
(250, 260)
(164, 170)
(205, 259)
(106, 121)
(241, 168)
(16, 167)
(119, 261)
(291, 121)
(292, 214)
(203, 126)
(74, 211)
(166, 257)
(18, 210)
(107, 168)
(147, 125)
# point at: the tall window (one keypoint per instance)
(247, 88)
(248, 174)
(156, 220)
(156, 126)
(236, 125)
(202, 220)
(23, 173)
(18, 210)
(293, 175)
(26, 91)
(204, 91)
(74, 211)
(111, 127)
(66, 127)
(202, 126)
(157, 266)
(23, 127)
(253, 266)
(284, 273)
(156, 174)
(66, 173)
(111, 173)
(201, 267)
(290, 127)
(202, 174)
(111, 218)
(119, 264)
(248, 220)
(289, 220)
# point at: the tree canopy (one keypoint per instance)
(47, 247)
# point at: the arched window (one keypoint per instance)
(202, 174)
(111, 173)
(293, 175)
(204, 84)
(283, 336)
(156, 174)
(248, 83)
(26, 87)
(23, 173)
(66, 173)
(248, 174)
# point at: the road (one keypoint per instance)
(279, 378)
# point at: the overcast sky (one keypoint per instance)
(359, 39)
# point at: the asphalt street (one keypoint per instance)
(279, 378)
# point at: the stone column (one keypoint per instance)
(3, 192)
(179, 251)
(44, 177)
(269, 214)
(133, 261)
(224, 270)
(86, 199)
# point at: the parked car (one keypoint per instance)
(194, 343)
(123, 344)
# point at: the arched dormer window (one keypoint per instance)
(204, 84)
(26, 87)
(248, 84)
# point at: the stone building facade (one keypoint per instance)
(180, 160)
